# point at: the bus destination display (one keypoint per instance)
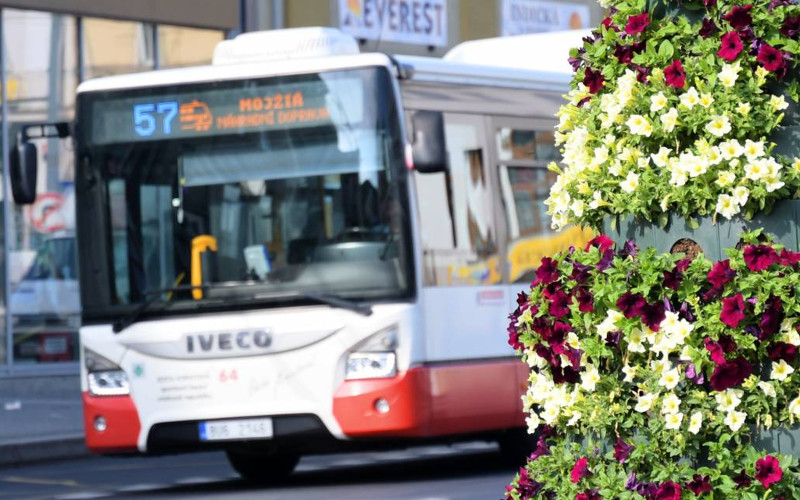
(199, 113)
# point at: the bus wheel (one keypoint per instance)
(262, 467)
(516, 445)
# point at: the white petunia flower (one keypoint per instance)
(743, 108)
(727, 206)
(550, 413)
(695, 422)
(767, 389)
(690, 98)
(669, 379)
(590, 378)
(780, 371)
(630, 183)
(658, 102)
(740, 195)
(794, 407)
(576, 416)
(670, 404)
(645, 402)
(753, 150)
(735, 420)
(719, 125)
(630, 373)
(669, 120)
(639, 125)
(725, 178)
(673, 421)
(728, 75)
(706, 100)
(533, 422)
(731, 149)
(778, 103)
(661, 158)
(728, 400)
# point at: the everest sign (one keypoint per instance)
(422, 22)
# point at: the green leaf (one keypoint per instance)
(666, 50)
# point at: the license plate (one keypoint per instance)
(221, 430)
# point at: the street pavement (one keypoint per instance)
(40, 427)
(468, 471)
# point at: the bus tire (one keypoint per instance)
(262, 467)
(516, 445)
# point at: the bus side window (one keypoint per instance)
(525, 184)
(459, 234)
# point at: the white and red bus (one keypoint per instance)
(302, 248)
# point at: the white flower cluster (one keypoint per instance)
(588, 157)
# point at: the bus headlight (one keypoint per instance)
(105, 377)
(375, 357)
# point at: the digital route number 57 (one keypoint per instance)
(146, 117)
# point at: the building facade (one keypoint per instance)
(48, 47)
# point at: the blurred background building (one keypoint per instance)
(47, 47)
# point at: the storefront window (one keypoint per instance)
(186, 46)
(116, 47)
(41, 80)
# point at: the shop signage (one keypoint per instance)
(421, 22)
(533, 16)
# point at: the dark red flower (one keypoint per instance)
(732, 310)
(565, 375)
(730, 374)
(623, 53)
(602, 242)
(708, 29)
(770, 57)
(642, 72)
(580, 273)
(672, 280)
(637, 24)
(782, 351)
(668, 491)
(574, 356)
(542, 449)
(593, 80)
(608, 24)
(558, 333)
(742, 480)
(580, 470)
(526, 486)
(675, 75)
(759, 257)
(588, 495)
(559, 304)
(653, 314)
(710, 3)
(631, 304)
(739, 16)
(791, 26)
(717, 354)
(699, 485)
(768, 471)
(787, 257)
(772, 318)
(622, 450)
(731, 46)
(721, 274)
(585, 300)
(547, 272)
(727, 343)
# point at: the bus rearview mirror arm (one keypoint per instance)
(23, 158)
(428, 150)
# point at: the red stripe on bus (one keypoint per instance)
(435, 401)
(122, 423)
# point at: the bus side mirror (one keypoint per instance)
(22, 159)
(23, 170)
(428, 150)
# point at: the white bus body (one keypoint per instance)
(285, 375)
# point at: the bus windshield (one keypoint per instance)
(297, 181)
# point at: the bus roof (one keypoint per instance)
(536, 52)
(456, 70)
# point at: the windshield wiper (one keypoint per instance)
(134, 315)
(323, 298)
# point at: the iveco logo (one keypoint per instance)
(247, 340)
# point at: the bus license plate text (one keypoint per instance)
(221, 430)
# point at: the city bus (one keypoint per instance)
(303, 249)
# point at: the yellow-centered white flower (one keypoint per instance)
(669, 379)
(645, 402)
(735, 420)
(780, 370)
(670, 404)
(658, 102)
(728, 400)
(690, 98)
(768, 389)
(719, 125)
(673, 421)
(695, 421)
(669, 120)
